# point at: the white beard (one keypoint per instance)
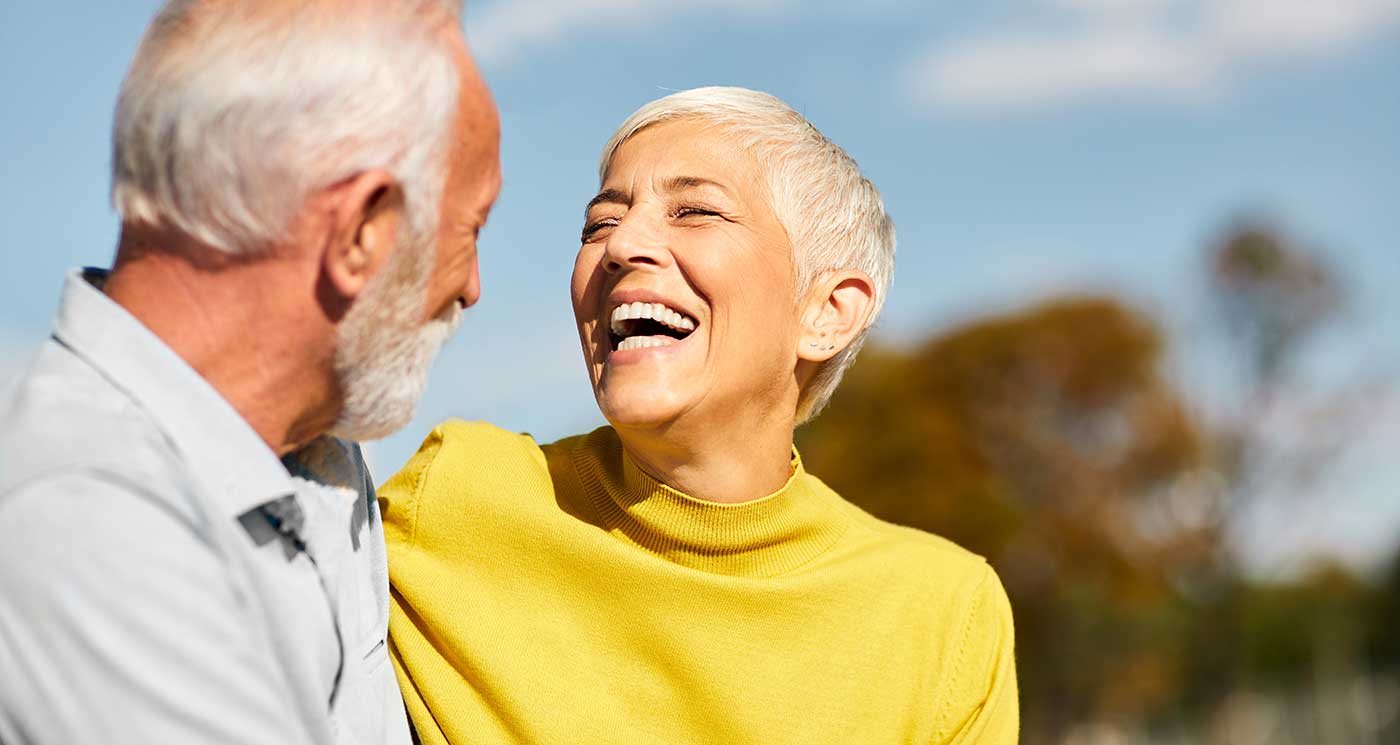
(385, 351)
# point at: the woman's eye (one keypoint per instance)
(688, 211)
(592, 229)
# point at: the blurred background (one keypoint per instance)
(1141, 350)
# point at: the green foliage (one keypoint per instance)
(1383, 621)
(1287, 625)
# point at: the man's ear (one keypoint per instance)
(837, 309)
(365, 213)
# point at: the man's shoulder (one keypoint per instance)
(61, 418)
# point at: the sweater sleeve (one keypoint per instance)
(981, 707)
(399, 497)
(438, 521)
(426, 504)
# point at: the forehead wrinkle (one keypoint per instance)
(668, 165)
(495, 197)
(687, 183)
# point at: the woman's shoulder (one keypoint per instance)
(924, 557)
(455, 434)
(964, 603)
(459, 466)
(487, 441)
(456, 447)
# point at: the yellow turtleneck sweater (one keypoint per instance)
(558, 595)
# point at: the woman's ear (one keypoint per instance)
(365, 212)
(836, 311)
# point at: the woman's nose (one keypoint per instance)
(635, 243)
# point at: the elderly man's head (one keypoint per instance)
(354, 135)
(833, 217)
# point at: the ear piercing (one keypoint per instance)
(825, 348)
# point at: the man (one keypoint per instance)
(301, 185)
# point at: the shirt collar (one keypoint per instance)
(221, 448)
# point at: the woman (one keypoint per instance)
(679, 576)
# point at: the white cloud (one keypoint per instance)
(1248, 28)
(1029, 71)
(1113, 7)
(1151, 48)
(505, 29)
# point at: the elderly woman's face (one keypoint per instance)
(683, 287)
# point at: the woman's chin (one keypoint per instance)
(636, 407)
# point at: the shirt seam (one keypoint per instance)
(960, 657)
(420, 485)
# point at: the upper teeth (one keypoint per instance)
(655, 311)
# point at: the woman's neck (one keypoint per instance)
(728, 465)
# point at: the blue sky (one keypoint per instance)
(1025, 149)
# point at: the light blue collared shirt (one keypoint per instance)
(164, 577)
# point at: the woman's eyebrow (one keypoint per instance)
(615, 196)
(675, 183)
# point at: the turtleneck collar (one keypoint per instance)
(764, 537)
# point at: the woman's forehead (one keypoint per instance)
(685, 152)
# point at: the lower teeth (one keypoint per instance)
(642, 342)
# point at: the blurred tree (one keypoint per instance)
(1272, 298)
(1383, 619)
(1273, 441)
(1049, 441)
(1291, 627)
(1274, 295)
(1036, 439)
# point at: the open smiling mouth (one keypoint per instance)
(643, 325)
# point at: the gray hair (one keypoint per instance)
(234, 113)
(833, 215)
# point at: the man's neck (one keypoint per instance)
(242, 325)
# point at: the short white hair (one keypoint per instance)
(235, 112)
(834, 217)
